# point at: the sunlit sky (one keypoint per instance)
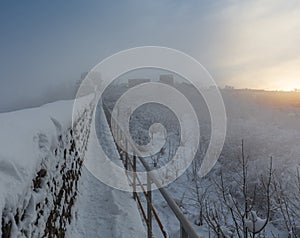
(262, 49)
(246, 44)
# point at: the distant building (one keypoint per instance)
(228, 87)
(134, 82)
(167, 79)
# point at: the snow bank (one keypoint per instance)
(24, 136)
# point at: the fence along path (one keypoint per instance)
(130, 162)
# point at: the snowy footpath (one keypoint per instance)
(102, 211)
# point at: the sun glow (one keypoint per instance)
(287, 85)
(285, 89)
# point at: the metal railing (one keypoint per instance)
(186, 228)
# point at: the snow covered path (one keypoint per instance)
(105, 212)
(102, 211)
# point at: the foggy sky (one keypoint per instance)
(48, 44)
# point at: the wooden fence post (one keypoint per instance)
(149, 203)
(183, 233)
(134, 176)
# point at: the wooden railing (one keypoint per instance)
(130, 164)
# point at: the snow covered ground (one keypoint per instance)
(267, 129)
(102, 211)
(41, 178)
(45, 190)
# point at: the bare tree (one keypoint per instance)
(287, 202)
(238, 195)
